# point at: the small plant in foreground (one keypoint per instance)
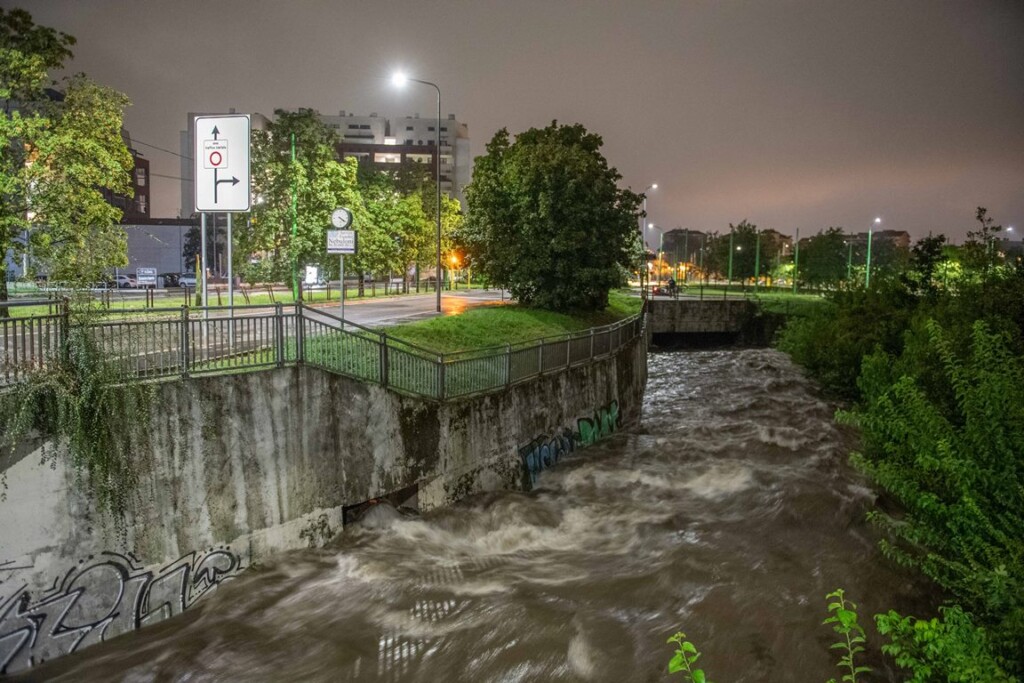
(685, 657)
(844, 616)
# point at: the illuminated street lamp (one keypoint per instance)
(399, 80)
(867, 276)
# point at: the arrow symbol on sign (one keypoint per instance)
(215, 132)
(216, 182)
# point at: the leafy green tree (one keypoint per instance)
(319, 184)
(59, 153)
(744, 239)
(823, 258)
(926, 257)
(978, 254)
(547, 219)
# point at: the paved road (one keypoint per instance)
(403, 309)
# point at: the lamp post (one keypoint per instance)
(643, 232)
(867, 274)
(659, 254)
(399, 79)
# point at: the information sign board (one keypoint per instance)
(341, 241)
(145, 277)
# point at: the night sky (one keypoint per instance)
(792, 114)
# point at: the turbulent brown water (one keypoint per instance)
(729, 515)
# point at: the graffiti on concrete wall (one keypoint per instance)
(102, 597)
(545, 451)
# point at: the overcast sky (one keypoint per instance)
(791, 114)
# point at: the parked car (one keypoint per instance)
(168, 279)
(125, 281)
(187, 280)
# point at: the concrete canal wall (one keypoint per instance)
(242, 466)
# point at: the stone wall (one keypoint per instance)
(242, 466)
(687, 316)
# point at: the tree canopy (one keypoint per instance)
(59, 152)
(547, 219)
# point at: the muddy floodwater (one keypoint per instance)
(729, 514)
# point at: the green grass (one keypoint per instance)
(258, 296)
(496, 325)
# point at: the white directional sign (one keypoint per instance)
(222, 163)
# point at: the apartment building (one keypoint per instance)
(386, 143)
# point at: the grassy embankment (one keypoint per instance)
(488, 326)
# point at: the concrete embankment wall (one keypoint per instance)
(239, 467)
(688, 322)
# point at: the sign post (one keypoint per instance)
(222, 177)
(341, 242)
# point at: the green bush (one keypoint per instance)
(956, 470)
(832, 338)
(935, 650)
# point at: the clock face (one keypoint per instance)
(341, 218)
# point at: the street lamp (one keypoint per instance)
(399, 80)
(867, 275)
(652, 186)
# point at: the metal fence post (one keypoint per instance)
(568, 351)
(540, 358)
(508, 364)
(384, 360)
(184, 337)
(279, 334)
(591, 343)
(440, 373)
(300, 334)
(65, 328)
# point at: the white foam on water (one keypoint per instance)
(721, 480)
(582, 657)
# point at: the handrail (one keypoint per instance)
(191, 342)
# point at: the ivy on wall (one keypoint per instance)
(89, 413)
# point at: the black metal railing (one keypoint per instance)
(182, 342)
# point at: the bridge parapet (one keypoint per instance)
(696, 316)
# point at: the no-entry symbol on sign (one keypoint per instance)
(215, 153)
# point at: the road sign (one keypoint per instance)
(145, 277)
(341, 242)
(222, 163)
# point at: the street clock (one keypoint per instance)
(341, 218)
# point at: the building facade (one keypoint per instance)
(387, 143)
(136, 207)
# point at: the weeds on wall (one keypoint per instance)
(89, 415)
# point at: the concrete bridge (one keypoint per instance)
(708, 322)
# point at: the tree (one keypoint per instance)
(925, 258)
(317, 181)
(59, 152)
(978, 254)
(745, 251)
(547, 219)
(824, 258)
